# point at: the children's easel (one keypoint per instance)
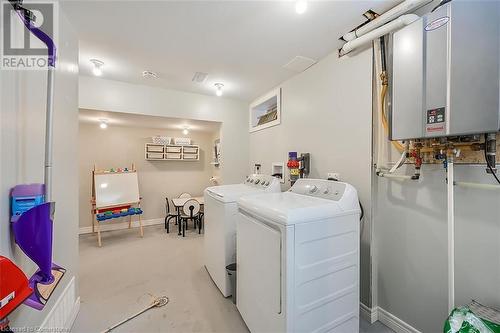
(115, 194)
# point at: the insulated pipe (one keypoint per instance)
(390, 15)
(451, 233)
(478, 186)
(398, 23)
(397, 177)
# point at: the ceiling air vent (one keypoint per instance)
(149, 75)
(299, 64)
(199, 77)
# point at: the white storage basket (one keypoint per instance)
(154, 149)
(162, 140)
(191, 150)
(190, 156)
(182, 141)
(154, 156)
(173, 149)
(173, 156)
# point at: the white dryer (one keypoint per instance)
(220, 224)
(298, 259)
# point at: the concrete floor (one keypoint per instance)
(128, 272)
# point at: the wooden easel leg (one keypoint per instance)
(140, 226)
(99, 235)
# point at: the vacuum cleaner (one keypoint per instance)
(32, 205)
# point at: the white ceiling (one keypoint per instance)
(135, 120)
(243, 44)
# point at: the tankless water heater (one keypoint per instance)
(445, 73)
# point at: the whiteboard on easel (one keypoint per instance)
(113, 189)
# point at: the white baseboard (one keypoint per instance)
(394, 323)
(63, 314)
(367, 313)
(388, 319)
(121, 225)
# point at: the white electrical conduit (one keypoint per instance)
(389, 15)
(398, 23)
(451, 235)
(478, 186)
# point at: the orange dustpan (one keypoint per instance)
(14, 287)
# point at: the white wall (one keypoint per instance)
(119, 146)
(22, 124)
(326, 111)
(107, 95)
(411, 245)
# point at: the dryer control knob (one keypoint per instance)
(326, 191)
(257, 181)
(313, 189)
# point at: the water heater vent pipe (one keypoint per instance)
(388, 16)
(397, 24)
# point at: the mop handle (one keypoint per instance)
(159, 302)
(27, 18)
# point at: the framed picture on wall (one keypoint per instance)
(265, 111)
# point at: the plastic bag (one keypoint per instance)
(463, 320)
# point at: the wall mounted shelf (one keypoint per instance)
(157, 152)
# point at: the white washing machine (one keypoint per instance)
(220, 224)
(298, 259)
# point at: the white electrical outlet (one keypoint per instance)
(333, 175)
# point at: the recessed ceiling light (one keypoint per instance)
(218, 89)
(301, 6)
(103, 123)
(98, 64)
(149, 75)
(185, 131)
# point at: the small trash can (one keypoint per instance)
(231, 271)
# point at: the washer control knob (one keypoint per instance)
(267, 183)
(257, 181)
(251, 180)
(313, 189)
(326, 191)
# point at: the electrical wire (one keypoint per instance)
(488, 162)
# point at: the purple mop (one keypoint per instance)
(33, 228)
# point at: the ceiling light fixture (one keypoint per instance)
(185, 131)
(301, 6)
(218, 87)
(149, 75)
(103, 123)
(97, 70)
